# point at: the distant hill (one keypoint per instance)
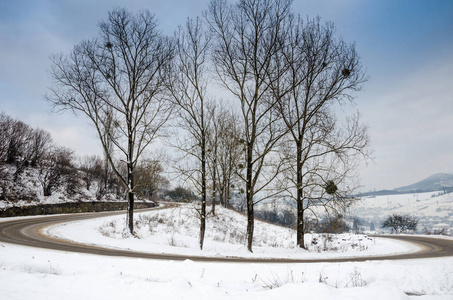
(436, 182)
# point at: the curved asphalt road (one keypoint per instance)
(27, 232)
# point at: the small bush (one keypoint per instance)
(355, 279)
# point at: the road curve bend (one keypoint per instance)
(28, 232)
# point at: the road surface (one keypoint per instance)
(28, 232)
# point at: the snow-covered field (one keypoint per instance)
(30, 273)
(431, 209)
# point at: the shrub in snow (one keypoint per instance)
(356, 279)
(400, 223)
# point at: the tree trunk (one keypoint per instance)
(130, 211)
(300, 225)
(47, 191)
(203, 192)
(221, 195)
(250, 221)
(130, 203)
(214, 185)
(228, 192)
(249, 198)
(299, 198)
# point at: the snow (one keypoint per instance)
(429, 208)
(28, 273)
(28, 192)
(32, 273)
(176, 231)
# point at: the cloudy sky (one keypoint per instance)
(406, 47)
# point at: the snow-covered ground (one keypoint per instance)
(31, 273)
(28, 273)
(176, 231)
(430, 209)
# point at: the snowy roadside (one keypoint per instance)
(175, 231)
(33, 273)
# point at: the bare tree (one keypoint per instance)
(18, 136)
(149, 178)
(96, 169)
(5, 122)
(117, 81)
(92, 168)
(188, 86)
(39, 143)
(246, 40)
(319, 72)
(106, 133)
(400, 223)
(55, 169)
(213, 150)
(20, 143)
(226, 151)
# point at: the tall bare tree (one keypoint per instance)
(213, 152)
(320, 74)
(188, 86)
(225, 151)
(246, 40)
(117, 81)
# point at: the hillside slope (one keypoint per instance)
(27, 189)
(431, 209)
(434, 182)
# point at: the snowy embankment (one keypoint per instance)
(176, 231)
(31, 273)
